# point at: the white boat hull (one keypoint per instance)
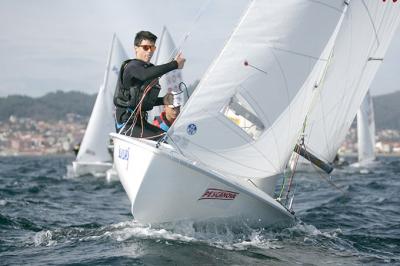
(90, 168)
(371, 163)
(165, 187)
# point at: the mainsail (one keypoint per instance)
(362, 41)
(244, 118)
(366, 130)
(94, 146)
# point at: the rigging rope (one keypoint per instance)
(139, 105)
(178, 48)
(311, 106)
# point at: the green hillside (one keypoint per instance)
(52, 106)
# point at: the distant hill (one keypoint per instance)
(387, 111)
(52, 106)
(55, 106)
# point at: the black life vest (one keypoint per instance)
(130, 97)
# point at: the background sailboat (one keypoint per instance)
(170, 81)
(366, 132)
(93, 156)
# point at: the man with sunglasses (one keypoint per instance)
(137, 89)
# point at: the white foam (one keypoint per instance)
(209, 235)
(257, 240)
(43, 238)
(3, 202)
(126, 230)
(70, 174)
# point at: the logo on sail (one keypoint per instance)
(115, 70)
(219, 194)
(123, 154)
(191, 129)
(90, 152)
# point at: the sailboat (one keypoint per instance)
(271, 74)
(94, 156)
(366, 133)
(171, 81)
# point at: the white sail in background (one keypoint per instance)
(366, 131)
(94, 146)
(245, 116)
(169, 82)
(362, 41)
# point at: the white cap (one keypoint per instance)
(178, 99)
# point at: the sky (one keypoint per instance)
(50, 45)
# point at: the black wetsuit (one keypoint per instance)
(136, 77)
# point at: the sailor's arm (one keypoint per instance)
(147, 73)
(152, 72)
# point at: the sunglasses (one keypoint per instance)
(148, 47)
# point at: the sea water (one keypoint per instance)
(47, 218)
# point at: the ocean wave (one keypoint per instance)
(9, 222)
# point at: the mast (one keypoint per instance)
(160, 44)
(108, 65)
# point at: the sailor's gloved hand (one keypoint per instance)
(180, 60)
(168, 99)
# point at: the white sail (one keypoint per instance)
(169, 82)
(366, 131)
(246, 114)
(94, 146)
(362, 41)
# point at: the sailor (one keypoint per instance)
(172, 109)
(137, 89)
